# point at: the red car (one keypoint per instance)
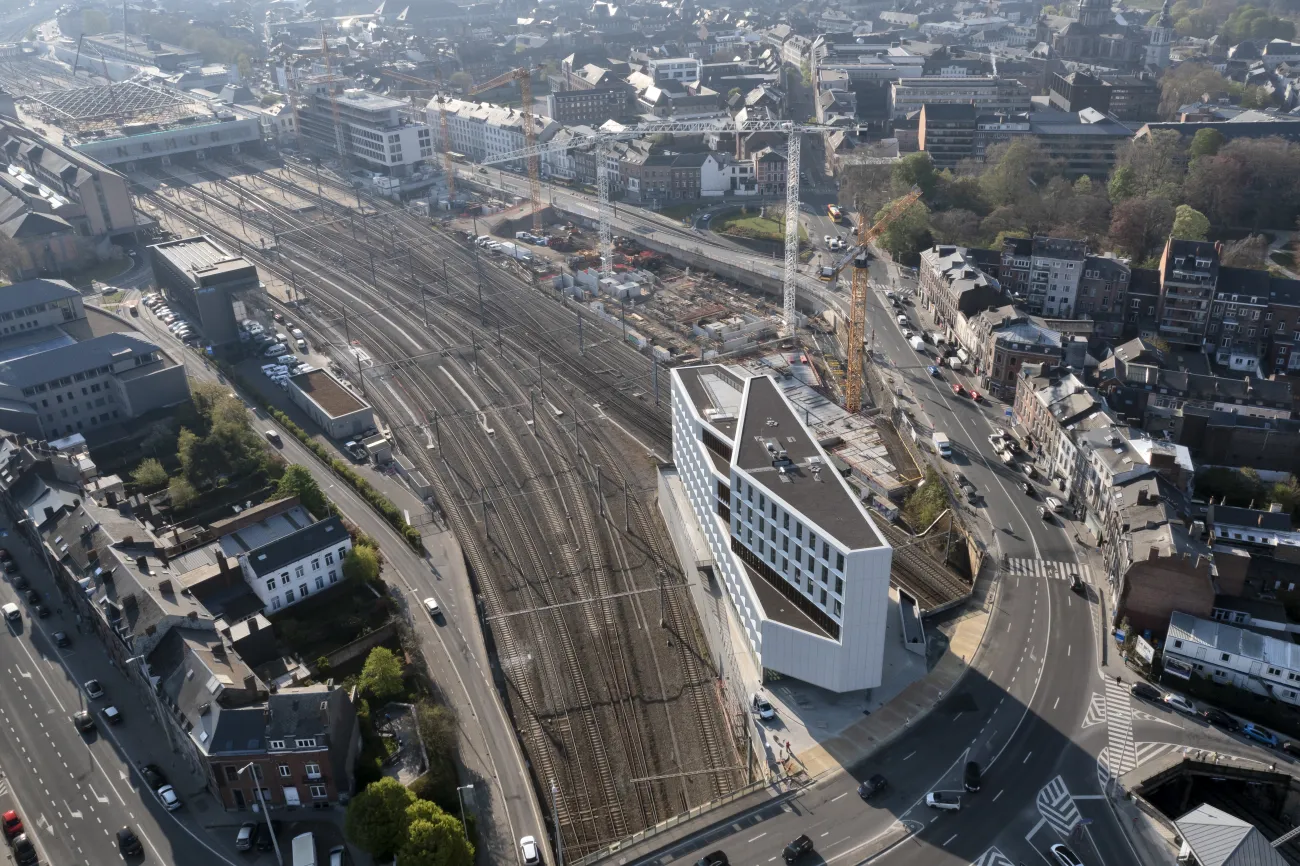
(958, 389)
(975, 395)
(13, 825)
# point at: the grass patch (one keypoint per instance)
(744, 224)
(113, 297)
(328, 620)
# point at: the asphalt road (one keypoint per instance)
(74, 791)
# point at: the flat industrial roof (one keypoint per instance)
(778, 608)
(327, 393)
(714, 387)
(820, 495)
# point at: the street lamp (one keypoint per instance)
(464, 829)
(265, 812)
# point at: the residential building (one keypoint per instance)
(1213, 837)
(987, 93)
(1127, 98)
(770, 172)
(955, 290)
(289, 569)
(375, 130)
(797, 555)
(1010, 347)
(1051, 406)
(63, 373)
(947, 133)
(202, 278)
(1055, 267)
(992, 129)
(1102, 293)
(482, 131)
(1189, 271)
(1156, 572)
(1264, 532)
(1225, 654)
(592, 106)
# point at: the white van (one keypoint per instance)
(1054, 504)
(304, 850)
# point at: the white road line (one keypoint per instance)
(1027, 757)
(1058, 701)
(840, 797)
(756, 838)
(949, 842)
(995, 796)
(910, 755)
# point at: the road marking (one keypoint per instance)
(1058, 701)
(949, 842)
(910, 755)
(1089, 796)
(97, 797)
(827, 833)
(756, 838)
(995, 796)
(1068, 650)
(1027, 757)
(1037, 827)
(1057, 807)
(840, 797)
(958, 716)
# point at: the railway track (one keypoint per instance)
(595, 696)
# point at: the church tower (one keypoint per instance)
(1094, 13)
(1161, 39)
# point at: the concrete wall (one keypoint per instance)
(1154, 588)
(166, 387)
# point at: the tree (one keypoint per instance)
(927, 501)
(1156, 161)
(1249, 252)
(914, 169)
(1015, 168)
(181, 493)
(1140, 225)
(434, 838)
(1185, 83)
(381, 675)
(150, 474)
(361, 564)
(438, 729)
(1252, 22)
(908, 234)
(93, 22)
(1189, 224)
(732, 93)
(461, 81)
(298, 481)
(1123, 184)
(957, 227)
(376, 819)
(1206, 142)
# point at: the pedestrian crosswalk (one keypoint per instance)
(1047, 569)
(1142, 753)
(1096, 714)
(1119, 728)
(994, 857)
(1057, 807)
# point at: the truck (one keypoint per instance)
(917, 343)
(304, 850)
(515, 251)
(942, 446)
(953, 362)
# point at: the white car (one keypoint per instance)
(827, 240)
(167, 794)
(431, 605)
(1181, 704)
(12, 613)
(763, 708)
(93, 689)
(528, 850)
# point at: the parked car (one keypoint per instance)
(93, 689)
(167, 794)
(798, 849)
(715, 858)
(1260, 735)
(873, 786)
(111, 715)
(24, 850)
(1181, 704)
(1147, 692)
(763, 708)
(153, 776)
(264, 842)
(529, 852)
(1220, 719)
(84, 721)
(61, 639)
(13, 825)
(244, 838)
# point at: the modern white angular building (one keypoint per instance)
(805, 569)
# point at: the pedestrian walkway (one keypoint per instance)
(861, 739)
(1048, 569)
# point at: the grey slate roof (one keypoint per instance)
(1219, 839)
(30, 292)
(71, 359)
(269, 558)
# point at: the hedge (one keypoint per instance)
(364, 488)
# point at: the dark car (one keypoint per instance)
(1220, 719)
(33, 597)
(1076, 583)
(84, 721)
(42, 611)
(873, 786)
(717, 858)
(263, 841)
(61, 639)
(971, 780)
(1147, 692)
(1030, 490)
(128, 842)
(153, 776)
(24, 850)
(798, 849)
(5, 555)
(20, 583)
(11, 567)
(1292, 749)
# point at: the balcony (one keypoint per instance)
(314, 779)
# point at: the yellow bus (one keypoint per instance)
(834, 212)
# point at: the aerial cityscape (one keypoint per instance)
(647, 433)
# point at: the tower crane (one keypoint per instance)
(860, 287)
(339, 138)
(524, 76)
(601, 141)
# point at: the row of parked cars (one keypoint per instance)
(271, 343)
(1216, 717)
(183, 330)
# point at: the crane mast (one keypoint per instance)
(531, 154)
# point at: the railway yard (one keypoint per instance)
(538, 429)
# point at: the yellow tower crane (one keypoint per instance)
(440, 97)
(524, 76)
(860, 287)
